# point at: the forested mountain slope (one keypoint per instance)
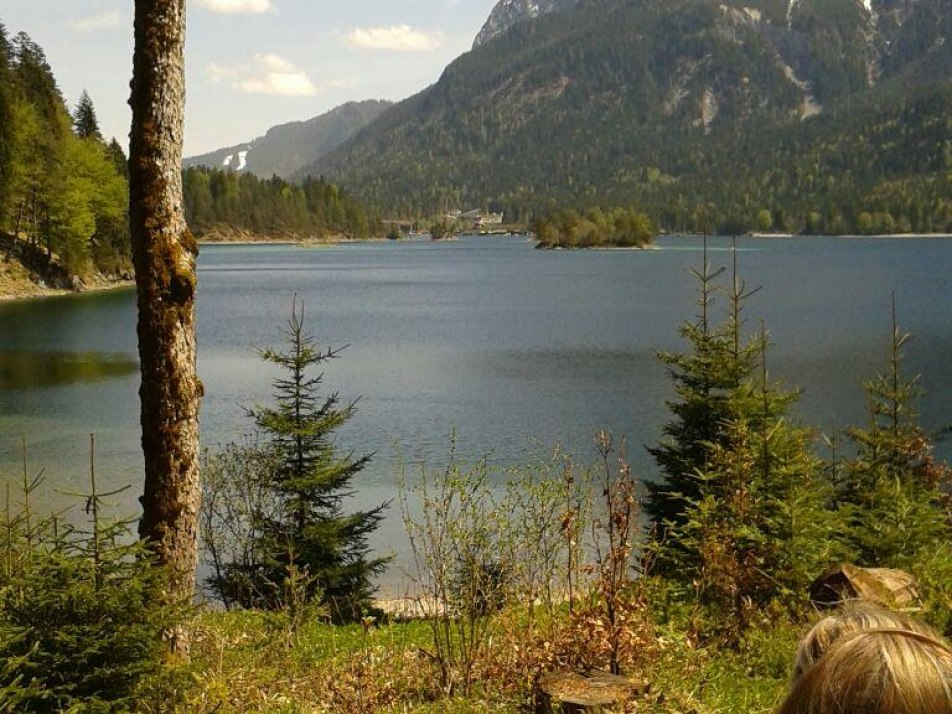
(289, 147)
(508, 13)
(815, 111)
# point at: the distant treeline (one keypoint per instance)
(63, 190)
(216, 198)
(621, 227)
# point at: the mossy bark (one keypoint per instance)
(164, 254)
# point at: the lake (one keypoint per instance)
(510, 348)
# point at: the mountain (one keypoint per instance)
(287, 148)
(510, 12)
(674, 103)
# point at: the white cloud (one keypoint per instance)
(97, 23)
(237, 7)
(269, 74)
(396, 38)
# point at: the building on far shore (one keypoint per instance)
(477, 219)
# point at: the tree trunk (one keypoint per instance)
(164, 254)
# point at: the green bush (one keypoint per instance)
(82, 623)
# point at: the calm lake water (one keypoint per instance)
(513, 349)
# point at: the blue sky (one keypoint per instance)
(252, 64)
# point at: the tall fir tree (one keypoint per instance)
(7, 129)
(34, 78)
(118, 158)
(85, 123)
(312, 539)
(705, 378)
(741, 513)
(893, 491)
(762, 528)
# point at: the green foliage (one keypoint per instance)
(85, 123)
(82, 622)
(299, 544)
(621, 228)
(217, 198)
(705, 378)
(893, 492)
(7, 124)
(762, 528)
(742, 512)
(60, 191)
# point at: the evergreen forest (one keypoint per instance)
(224, 202)
(64, 188)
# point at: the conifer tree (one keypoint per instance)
(6, 124)
(85, 123)
(81, 624)
(891, 491)
(34, 79)
(705, 377)
(311, 536)
(762, 526)
(741, 512)
(119, 159)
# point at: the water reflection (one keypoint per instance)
(31, 369)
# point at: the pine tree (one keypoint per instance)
(81, 629)
(743, 506)
(762, 527)
(311, 536)
(118, 158)
(705, 377)
(892, 490)
(7, 134)
(85, 123)
(34, 79)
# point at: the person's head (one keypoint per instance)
(873, 670)
(851, 618)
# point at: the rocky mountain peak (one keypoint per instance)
(511, 12)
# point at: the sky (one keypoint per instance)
(252, 64)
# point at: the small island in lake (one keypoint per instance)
(616, 228)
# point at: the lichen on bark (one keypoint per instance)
(164, 254)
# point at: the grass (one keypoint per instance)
(247, 662)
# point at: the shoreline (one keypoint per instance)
(804, 236)
(15, 283)
(22, 290)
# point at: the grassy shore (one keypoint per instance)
(251, 662)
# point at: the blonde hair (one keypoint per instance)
(852, 618)
(872, 670)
